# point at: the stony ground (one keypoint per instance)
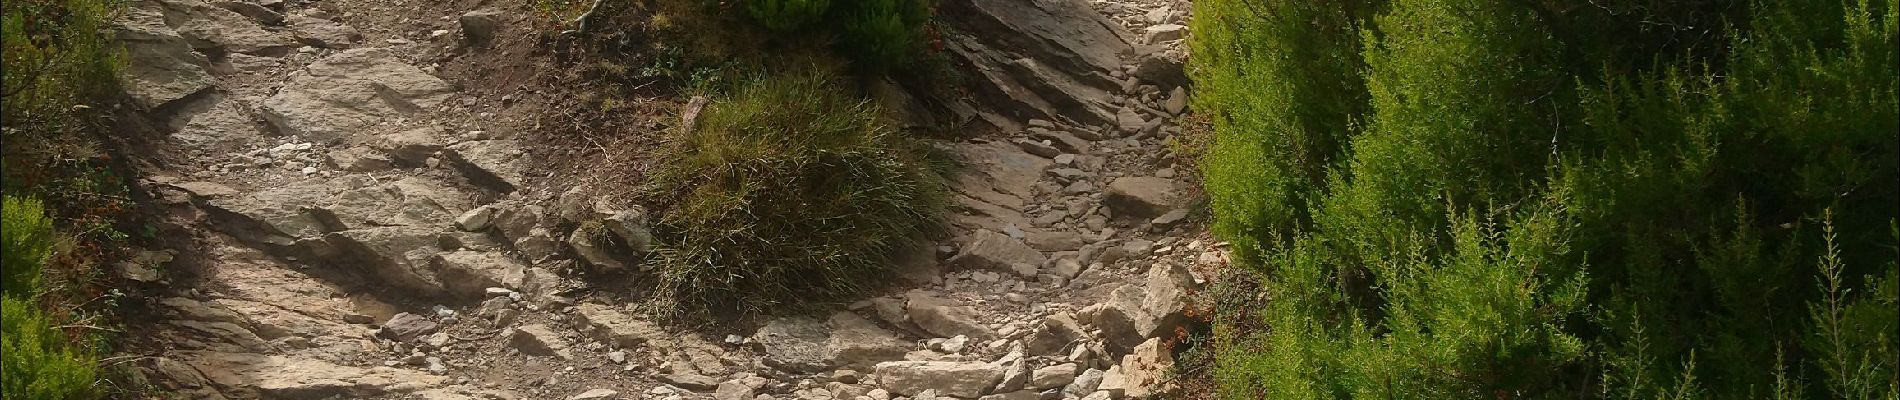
(376, 228)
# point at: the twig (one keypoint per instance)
(92, 327)
(111, 361)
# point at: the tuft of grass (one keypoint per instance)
(789, 190)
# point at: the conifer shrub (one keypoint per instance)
(787, 15)
(37, 360)
(27, 235)
(788, 192)
(882, 34)
(1519, 203)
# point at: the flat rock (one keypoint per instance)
(1140, 196)
(995, 251)
(958, 379)
(213, 29)
(612, 326)
(944, 317)
(161, 66)
(338, 96)
(801, 344)
(279, 377)
(538, 340)
(595, 394)
(495, 164)
(323, 33)
(404, 327)
(1053, 376)
(469, 274)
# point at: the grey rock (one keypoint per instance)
(323, 33)
(477, 219)
(1053, 376)
(995, 251)
(404, 327)
(213, 29)
(1169, 219)
(1155, 34)
(261, 14)
(943, 317)
(1037, 148)
(805, 345)
(1054, 335)
(595, 394)
(538, 340)
(733, 390)
(470, 274)
(690, 381)
(480, 26)
(1084, 384)
(957, 379)
(161, 66)
(612, 326)
(1055, 241)
(1120, 318)
(1161, 70)
(1177, 101)
(1063, 140)
(493, 164)
(340, 95)
(1140, 196)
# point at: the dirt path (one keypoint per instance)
(375, 231)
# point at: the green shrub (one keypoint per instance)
(58, 57)
(27, 237)
(882, 34)
(1544, 201)
(37, 361)
(1280, 84)
(789, 191)
(787, 15)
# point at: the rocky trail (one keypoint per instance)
(374, 225)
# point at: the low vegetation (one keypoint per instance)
(57, 81)
(1503, 199)
(40, 359)
(790, 190)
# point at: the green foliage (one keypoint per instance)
(788, 191)
(27, 236)
(1281, 87)
(787, 15)
(37, 361)
(57, 59)
(882, 34)
(1517, 199)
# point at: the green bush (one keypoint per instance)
(789, 191)
(1518, 199)
(27, 236)
(882, 34)
(37, 360)
(787, 15)
(58, 57)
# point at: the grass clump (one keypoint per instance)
(788, 191)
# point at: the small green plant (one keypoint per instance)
(789, 191)
(787, 15)
(37, 360)
(882, 34)
(28, 237)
